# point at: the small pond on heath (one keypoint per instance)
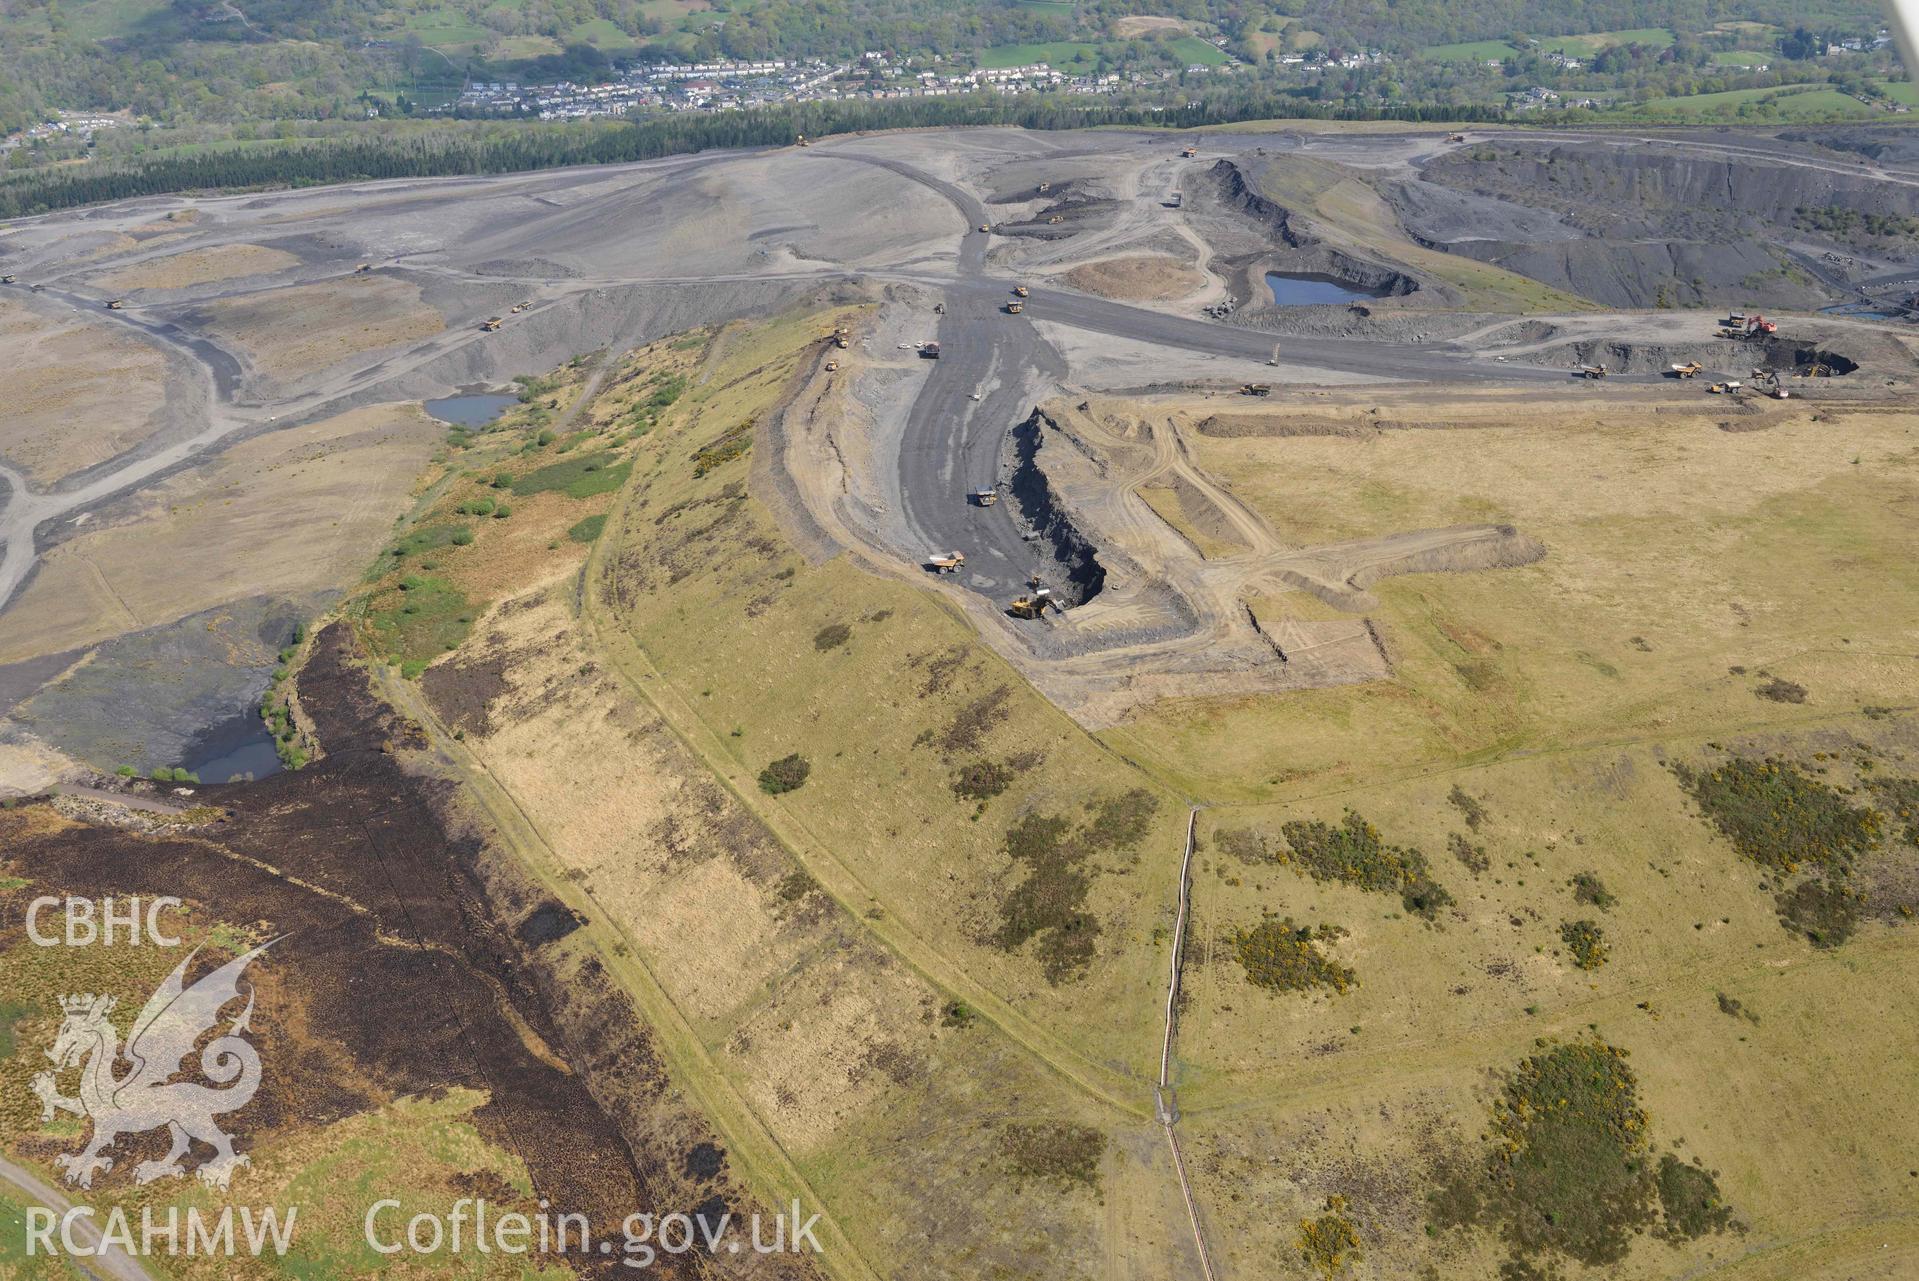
(1306, 290)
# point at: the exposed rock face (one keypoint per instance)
(1080, 575)
(1303, 253)
(1652, 226)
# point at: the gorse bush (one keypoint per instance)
(787, 774)
(1586, 941)
(1282, 956)
(1779, 816)
(1331, 1241)
(1354, 854)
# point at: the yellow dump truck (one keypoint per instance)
(1455, 137)
(491, 323)
(7, 280)
(946, 562)
(1592, 371)
(1021, 290)
(983, 497)
(118, 304)
(1015, 307)
(1688, 370)
(985, 227)
(1190, 152)
(1255, 389)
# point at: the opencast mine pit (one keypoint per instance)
(1170, 586)
(1147, 309)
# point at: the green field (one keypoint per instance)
(1058, 53)
(1789, 104)
(107, 19)
(603, 35)
(1192, 49)
(447, 28)
(1469, 51)
(1741, 57)
(1588, 45)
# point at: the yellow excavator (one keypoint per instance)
(1034, 603)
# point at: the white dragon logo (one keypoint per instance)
(146, 1097)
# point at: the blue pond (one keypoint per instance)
(1304, 291)
(470, 411)
(235, 749)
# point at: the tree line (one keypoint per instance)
(452, 150)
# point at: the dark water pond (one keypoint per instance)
(234, 749)
(470, 411)
(1304, 291)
